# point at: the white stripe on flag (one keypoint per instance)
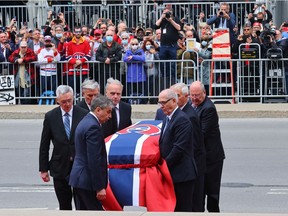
(136, 173)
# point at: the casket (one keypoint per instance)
(137, 174)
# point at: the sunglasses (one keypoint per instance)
(134, 44)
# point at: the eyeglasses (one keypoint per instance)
(246, 29)
(110, 35)
(124, 38)
(189, 35)
(66, 101)
(162, 103)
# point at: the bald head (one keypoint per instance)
(197, 93)
(167, 100)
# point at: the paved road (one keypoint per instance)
(254, 177)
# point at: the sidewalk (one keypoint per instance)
(251, 110)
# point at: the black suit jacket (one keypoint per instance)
(63, 148)
(110, 127)
(83, 105)
(210, 128)
(199, 148)
(176, 147)
(89, 169)
(198, 142)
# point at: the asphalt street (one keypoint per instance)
(254, 176)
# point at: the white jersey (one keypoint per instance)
(47, 59)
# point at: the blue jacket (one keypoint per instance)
(135, 66)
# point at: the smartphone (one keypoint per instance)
(19, 35)
(104, 20)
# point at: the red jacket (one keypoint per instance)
(29, 57)
(81, 51)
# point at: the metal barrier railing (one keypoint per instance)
(34, 14)
(264, 81)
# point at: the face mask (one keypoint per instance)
(148, 47)
(109, 38)
(124, 42)
(204, 43)
(48, 45)
(134, 47)
(59, 35)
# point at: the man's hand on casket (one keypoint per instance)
(161, 160)
(101, 195)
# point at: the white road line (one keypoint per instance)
(27, 189)
(278, 191)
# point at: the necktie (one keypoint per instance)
(194, 107)
(166, 124)
(67, 124)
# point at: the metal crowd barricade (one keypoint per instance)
(271, 73)
(249, 73)
(274, 77)
(143, 13)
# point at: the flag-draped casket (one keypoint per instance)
(137, 175)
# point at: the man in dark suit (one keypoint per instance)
(215, 155)
(56, 129)
(176, 148)
(182, 91)
(121, 114)
(224, 19)
(89, 172)
(90, 89)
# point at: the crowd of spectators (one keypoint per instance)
(108, 43)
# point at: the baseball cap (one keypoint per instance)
(47, 38)
(23, 44)
(98, 31)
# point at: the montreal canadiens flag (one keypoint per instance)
(137, 174)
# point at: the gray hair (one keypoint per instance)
(90, 84)
(113, 81)
(170, 94)
(102, 102)
(181, 86)
(63, 89)
(124, 34)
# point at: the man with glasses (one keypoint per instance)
(209, 122)
(78, 52)
(59, 127)
(176, 149)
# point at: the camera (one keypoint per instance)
(168, 15)
(221, 14)
(53, 13)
